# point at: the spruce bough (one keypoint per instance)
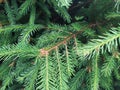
(45, 46)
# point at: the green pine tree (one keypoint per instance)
(59, 44)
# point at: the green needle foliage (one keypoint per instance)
(59, 45)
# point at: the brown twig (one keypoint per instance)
(44, 52)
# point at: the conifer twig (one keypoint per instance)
(43, 51)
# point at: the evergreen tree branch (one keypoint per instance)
(25, 7)
(105, 43)
(32, 15)
(20, 50)
(95, 74)
(9, 13)
(10, 28)
(62, 78)
(25, 34)
(61, 10)
(77, 80)
(108, 66)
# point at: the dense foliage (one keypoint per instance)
(59, 45)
